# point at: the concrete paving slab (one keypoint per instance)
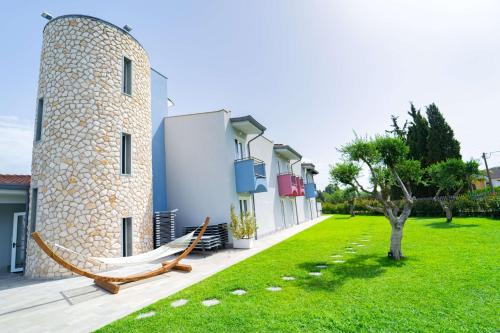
(76, 305)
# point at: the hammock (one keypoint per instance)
(110, 283)
(175, 246)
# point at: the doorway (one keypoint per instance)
(18, 242)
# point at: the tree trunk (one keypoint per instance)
(449, 214)
(351, 209)
(396, 236)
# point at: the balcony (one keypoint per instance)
(290, 185)
(300, 186)
(250, 175)
(310, 191)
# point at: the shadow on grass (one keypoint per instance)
(358, 267)
(446, 225)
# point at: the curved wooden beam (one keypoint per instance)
(166, 266)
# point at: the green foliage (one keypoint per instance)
(417, 134)
(392, 151)
(441, 142)
(345, 172)
(453, 175)
(243, 226)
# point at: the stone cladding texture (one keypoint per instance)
(82, 196)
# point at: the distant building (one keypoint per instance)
(484, 182)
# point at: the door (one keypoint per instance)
(18, 242)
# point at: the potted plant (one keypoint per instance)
(243, 229)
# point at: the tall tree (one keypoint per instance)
(441, 142)
(417, 135)
(387, 161)
(398, 130)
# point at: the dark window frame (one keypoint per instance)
(127, 76)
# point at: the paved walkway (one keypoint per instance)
(77, 305)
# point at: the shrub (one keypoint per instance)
(243, 226)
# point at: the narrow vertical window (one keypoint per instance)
(127, 76)
(34, 203)
(127, 236)
(126, 158)
(39, 116)
(236, 148)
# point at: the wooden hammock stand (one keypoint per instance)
(110, 283)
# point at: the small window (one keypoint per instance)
(127, 236)
(238, 146)
(126, 158)
(34, 203)
(243, 206)
(39, 118)
(127, 76)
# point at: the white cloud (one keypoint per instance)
(16, 141)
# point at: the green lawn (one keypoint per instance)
(449, 282)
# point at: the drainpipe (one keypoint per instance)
(253, 194)
(26, 221)
(295, 198)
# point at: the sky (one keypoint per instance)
(314, 72)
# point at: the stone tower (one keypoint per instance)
(80, 194)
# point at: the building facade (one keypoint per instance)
(215, 161)
(106, 156)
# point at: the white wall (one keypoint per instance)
(200, 180)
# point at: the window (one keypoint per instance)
(127, 76)
(127, 236)
(238, 146)
(243, 206)
(126, 158)
(39, 116)
(34, 203)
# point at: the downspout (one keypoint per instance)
(253, 194)
(295, 198)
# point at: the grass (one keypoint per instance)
(448, 282)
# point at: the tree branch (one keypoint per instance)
(402, 186)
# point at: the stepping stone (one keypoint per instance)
(288, 278)
(179, 302)
(337, 256)
(238, 292)
(146, 315)
(365, 240)
(350, 252)
(339, 261)
(360, 245)
(210, 302)
(315, 273)
(273, 288)
(349, 248)
(353, 243)
(321, 266)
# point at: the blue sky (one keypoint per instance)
(311, 71)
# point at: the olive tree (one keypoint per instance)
(386, 159)
(451, 177)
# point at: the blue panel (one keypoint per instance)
(159, 108)
(250, 176)
(310, 190)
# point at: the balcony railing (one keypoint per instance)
(310, 191)
(290, 185)
(250, 175)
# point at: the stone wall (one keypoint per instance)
(82, 195)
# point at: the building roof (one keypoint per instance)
(15, 181)
(287, 152)
(311, 167)
(247, 124)
(494, 172)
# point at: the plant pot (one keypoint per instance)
(245, 243)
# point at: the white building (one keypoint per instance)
(215, 161)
